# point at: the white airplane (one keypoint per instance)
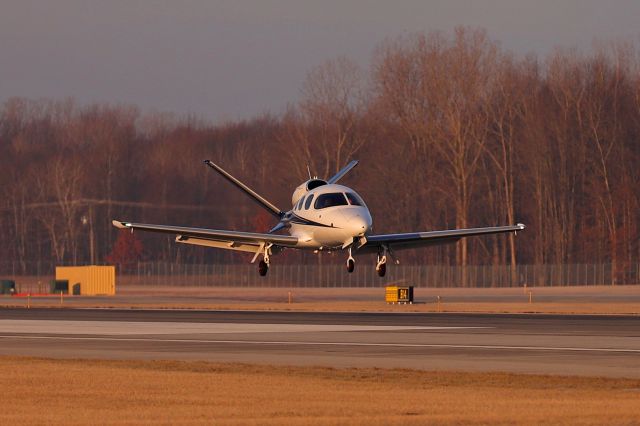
(324, 216)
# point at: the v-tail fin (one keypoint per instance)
(342, 172)
(253, 194)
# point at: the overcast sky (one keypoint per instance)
(227, 60)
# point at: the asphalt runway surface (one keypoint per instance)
(546, 344)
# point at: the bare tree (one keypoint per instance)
(439, 90)
(453, 132)
(515, 85)
(330, 112)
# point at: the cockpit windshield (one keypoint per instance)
(330, 200)
(354, 199)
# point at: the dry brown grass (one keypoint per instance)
(37, 391)
(618, 308)
(565, 300)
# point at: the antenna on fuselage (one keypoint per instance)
(309, 171)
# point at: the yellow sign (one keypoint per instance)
(403, 293)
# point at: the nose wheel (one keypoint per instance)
(351, 262)
(351, 265)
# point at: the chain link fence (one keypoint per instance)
(35, 276)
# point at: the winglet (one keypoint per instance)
(119, 225)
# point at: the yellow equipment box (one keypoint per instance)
(391, 294)
(398, 294)
(88, 280)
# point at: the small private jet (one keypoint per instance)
(325, 216)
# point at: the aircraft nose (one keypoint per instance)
(359, 225)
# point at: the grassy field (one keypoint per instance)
(45, 391)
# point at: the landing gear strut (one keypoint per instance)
(381, 266)
(263, 266)
(351, 262)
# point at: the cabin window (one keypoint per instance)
(354, 199)
(330, 200)
(308, 203)
(299, 205)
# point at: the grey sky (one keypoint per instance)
(234, 59)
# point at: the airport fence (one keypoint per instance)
(35, 276)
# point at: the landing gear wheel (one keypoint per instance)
(382, 270)
(263, 268)
(351, 265)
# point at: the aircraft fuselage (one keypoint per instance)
(329, 216)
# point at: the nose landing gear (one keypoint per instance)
(351, 262)
(351, 265)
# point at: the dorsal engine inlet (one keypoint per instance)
(304, 188)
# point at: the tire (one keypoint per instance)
(382, 270)
(351, 265)
(263, 268)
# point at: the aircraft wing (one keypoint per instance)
(421, 239)
(229, 240)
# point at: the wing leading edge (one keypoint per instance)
(420, 239)
(230, 240)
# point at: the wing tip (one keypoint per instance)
(521, 226)
(120, 225)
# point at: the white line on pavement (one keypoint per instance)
(303, 343)
(119, 328)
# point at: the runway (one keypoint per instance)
(545, 344)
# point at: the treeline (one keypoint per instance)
(450, 130)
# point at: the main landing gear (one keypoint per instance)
(263, 266)
(381, 265)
